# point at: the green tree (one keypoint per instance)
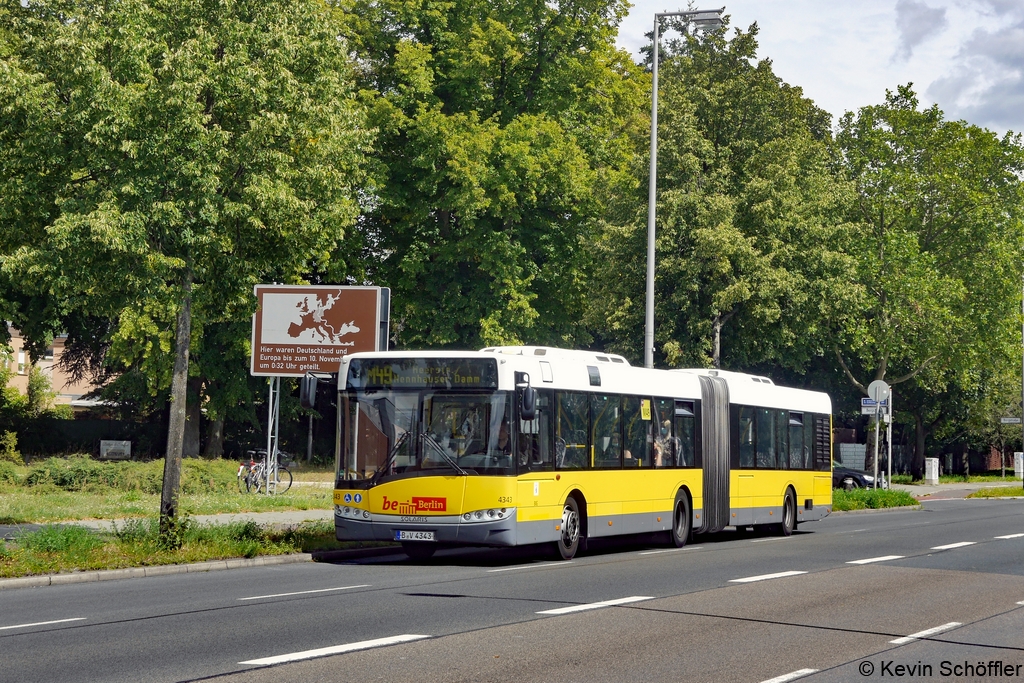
(157, 159)
(938, 258)
(500, 127)
(750, 217)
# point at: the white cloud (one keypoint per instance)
(840, 53)
(916, 21)
(987, 85)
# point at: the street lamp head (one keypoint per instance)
(708, 20)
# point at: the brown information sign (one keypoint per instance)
(302, 328)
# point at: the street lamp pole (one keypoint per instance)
(701, 19)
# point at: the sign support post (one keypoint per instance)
(888, 438)
(273, 418)
(879, 392)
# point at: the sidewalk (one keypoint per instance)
(952, 490)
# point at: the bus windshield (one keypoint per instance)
(389, 433)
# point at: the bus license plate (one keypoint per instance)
(414, 535)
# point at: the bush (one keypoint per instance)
(61, 538)
(82, 473)
(8, 475)
(861, 499)
(9, 449)
(79, 472)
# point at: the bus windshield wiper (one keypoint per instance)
(391, 456)
(444, 453)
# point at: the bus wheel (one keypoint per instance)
(788, 514)
(418, 550)
(681, 521)
(569, 542)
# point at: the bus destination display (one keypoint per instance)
(423, 373)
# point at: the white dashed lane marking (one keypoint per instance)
(791, 676)
(670, 550)
(924, 634)
(334, 650)
(1011, 536)
(530, 566)
(884, 558)
(42, 623)
(318, 590)
(950, 546)
(596, 605)
(765, 577)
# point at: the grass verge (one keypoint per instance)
(870, 499)
(999, 492)
(66, 548)
(61, 489)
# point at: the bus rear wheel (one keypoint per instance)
(569, 539)
(788, 524)
(681, 521)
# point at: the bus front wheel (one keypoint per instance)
(569, 539)
(681, 521)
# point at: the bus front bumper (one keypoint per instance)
(451, 529)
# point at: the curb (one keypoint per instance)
(901, 508)
(194, 568)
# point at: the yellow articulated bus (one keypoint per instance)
(521, 445)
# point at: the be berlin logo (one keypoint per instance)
(890, 668)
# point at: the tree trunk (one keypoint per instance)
(869, 449)
(965, 459)
(176, 426)
(193, 419)
(918, 466)
(716, 342)
(214, 439)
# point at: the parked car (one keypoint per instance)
(845, 478)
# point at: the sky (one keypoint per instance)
(965, 55)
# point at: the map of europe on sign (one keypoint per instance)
(297, 329)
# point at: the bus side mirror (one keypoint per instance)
(307, 391)
(528, 407)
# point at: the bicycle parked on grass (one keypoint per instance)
(253, 476)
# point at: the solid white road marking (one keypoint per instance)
(884, 558)
(1011, 536)
(950, 546)
(334, 650)
(319, 590)
(765, 577)
(924, 634)
(530, 566)
(671, 550)
(597, 605)
(42, 623)
(1021, 602)
(792, 676)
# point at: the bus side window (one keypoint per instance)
(746, 436)
(765, 438)
(533, 443)
(666, 446)
(782, 439)
(685, 437)
(638, 431)
(796, 441)
(605, 438)
(572, 425)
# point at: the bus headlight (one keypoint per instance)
(488, 515)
